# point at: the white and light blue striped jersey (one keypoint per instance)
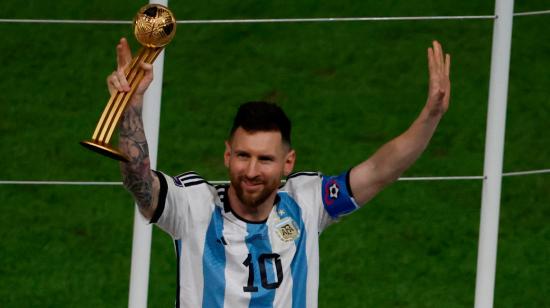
(226, 261)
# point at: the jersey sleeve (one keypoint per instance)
(172, 207)
(185, 201)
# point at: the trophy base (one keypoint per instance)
(105, 150)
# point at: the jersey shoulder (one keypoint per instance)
(303, 185)
(186, 189)
(196, 187)
(189, 179)
(304, 180)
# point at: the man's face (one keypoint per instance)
(257, 161)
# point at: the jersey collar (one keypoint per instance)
(227, 207)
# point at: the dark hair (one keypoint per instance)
(262, 116)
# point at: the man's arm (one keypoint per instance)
(396, 156)
(137, 175)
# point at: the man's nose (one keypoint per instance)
(252, 169)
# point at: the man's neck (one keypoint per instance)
(253, 214)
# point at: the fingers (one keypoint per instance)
(438, 61)
(439, 55)
(112, 81)
(117, 82)
(437, 66)
(147, 67)
(123, 82)
(148, 74)
(431, 60)
(147, 77)
(111, 85)
(124, 54)
(447, 64)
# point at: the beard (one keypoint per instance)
(255, 198)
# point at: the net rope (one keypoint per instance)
(418, 178)
(269, 20)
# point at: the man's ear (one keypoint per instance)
(289, 162)
(227, 154)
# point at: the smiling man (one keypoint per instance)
(253, 242)
(258, 154)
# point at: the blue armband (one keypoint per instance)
(337, 196)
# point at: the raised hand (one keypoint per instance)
(117, 81)
(440, 86)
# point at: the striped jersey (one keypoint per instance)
(227, 261)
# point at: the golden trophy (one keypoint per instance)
(154, 27)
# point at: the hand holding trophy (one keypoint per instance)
(154, 27)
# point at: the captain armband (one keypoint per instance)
(337, 196)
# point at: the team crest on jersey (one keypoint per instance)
(287, 230)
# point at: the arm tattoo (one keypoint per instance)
(136, 173)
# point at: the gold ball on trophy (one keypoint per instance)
(154, 25)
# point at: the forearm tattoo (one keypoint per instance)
(136, 173)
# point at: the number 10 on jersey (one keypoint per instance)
(249, 262)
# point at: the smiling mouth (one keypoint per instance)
(251, 184)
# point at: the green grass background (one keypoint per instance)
(348, 87)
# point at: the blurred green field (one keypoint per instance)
(348, 87)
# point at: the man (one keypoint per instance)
(253, 243)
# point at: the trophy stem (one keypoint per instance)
(117, 104)
(151, 55)
(114, 101)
